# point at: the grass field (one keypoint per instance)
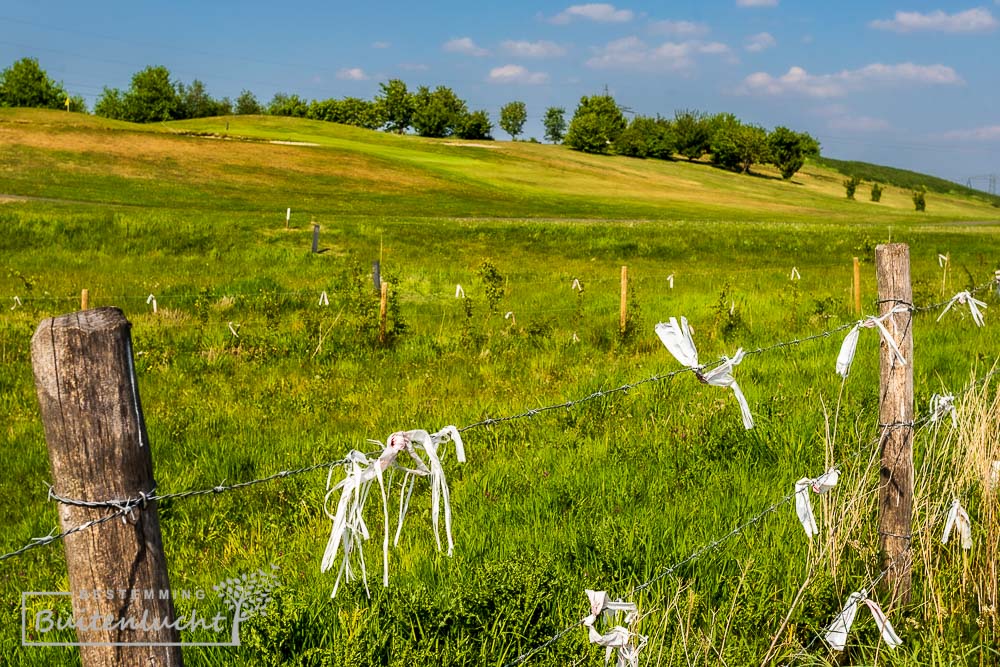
(603, 495)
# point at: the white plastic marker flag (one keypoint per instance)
(677, 338)
(151, 300)
(964, 298)
(795, 274)
(17, 303)
(958, 519)
(836, 634)
(349, 530)
(670, 280)
(324, 300)
(943, 406)
(233, 328)
(850, 344)
(576, 285)
(627, 643)
(803, 505)
(459, 292)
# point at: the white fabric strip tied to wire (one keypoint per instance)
(994, 475)
(850, 344)
(17, 302)
(324, 300)
(964, 298)
(795, 274)
(349, 528)
(576, 285)
(677, 338)
(459, 292)
(151, 300)
(670, 280)
(803, 506)
(958, 519)
(627, 643)
(943, 406)
(836, 634)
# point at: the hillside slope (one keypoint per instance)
(237, 163)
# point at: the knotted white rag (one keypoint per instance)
(677, 338)
(627, 643)
(803, 505)
(850, 344)
(958, 519)
(836, 634)
(973, 303)
(942, 406)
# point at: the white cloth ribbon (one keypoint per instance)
(795, 274)
(17, 302)
(670, 280)
(850, 344)
(677, 338)
(459, 292)
(958, 519)
(349, 529)
(966, 298)
(151, 300)
(324, 300)
(943, 406)
(509, 315)
(803, 505)
(576, 285)
(627, 643)
(943, 259)
(836, 633)
(994, 474)
(233, 328)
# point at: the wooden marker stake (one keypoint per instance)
(624, 301)
(857, 286)
(381, 312)
(84, 299)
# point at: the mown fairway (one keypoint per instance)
(603, 495)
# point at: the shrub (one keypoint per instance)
(851, 185)
(919, 202)
(876, 192)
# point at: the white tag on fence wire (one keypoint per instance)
(942, 406)
(966, 298)
(670, 280)
(837, 632)
(576, 285)
(677, 338)
(850, 345)
(795, 274)
(958, 519)
(349, 529)
(943, 259)
(803, 504)
(151, 300)
(324, 300)
(17, 302)
(459, 292)
(627, 643)
(233, 328)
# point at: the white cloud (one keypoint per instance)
(971, 20)
(985, 133)
(858, 124)
(678, 28)
(541, 49)
(414, 67)
(352, 74)
(600, 12)
(799, 82)
(632, 53)
(762, 41)
(756, 3)
(465, 46)
(516, 74)
(381, 45)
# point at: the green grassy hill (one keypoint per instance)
(246, 163)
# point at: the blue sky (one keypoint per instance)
(912, 84)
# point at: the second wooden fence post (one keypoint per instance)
(896, 418)
(89, 400)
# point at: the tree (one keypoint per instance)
(555, 124)
(152, 97)
(247, 104)
(646, 137)
(475, 125)
(195, 102)
(396, 104)
(919, 199)
(437, 113)
(851, 185)
(513, 116)
(597, 123)
(789, 150)
(876, 192)
(693, 133)
(25, 84)
(111, 104)
(283, 104)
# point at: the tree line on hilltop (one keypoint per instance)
(598, 124)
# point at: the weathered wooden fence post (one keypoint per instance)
(624, 300)
(84, 299)
(892, 263)
(315, 247)
(857, 286)
(382, 311)
(89, 400)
